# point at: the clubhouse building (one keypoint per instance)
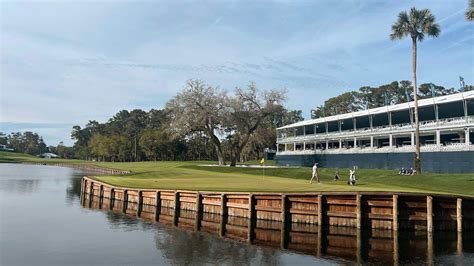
(384, 137)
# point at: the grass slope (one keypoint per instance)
(193, 176)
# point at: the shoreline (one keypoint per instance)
(376, 210)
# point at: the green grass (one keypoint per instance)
(193, 176)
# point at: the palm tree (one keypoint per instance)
(470, 11)
(416, 24)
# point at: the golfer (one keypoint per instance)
(315, 173)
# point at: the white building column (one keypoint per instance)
(371, 141)
(340, 143)
(327, 144)
(438, 137)
(277, 147)
(304, 146)
(467, 138)
(355, 142)
(390, 140)
(412, 143)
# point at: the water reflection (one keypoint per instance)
(42, 222)
(361, 246)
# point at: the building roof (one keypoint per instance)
(384, 109)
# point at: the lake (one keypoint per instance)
(44, 222)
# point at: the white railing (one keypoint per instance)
(406, 148)
(431, 124)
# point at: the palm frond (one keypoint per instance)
(417, 24)
(400, 28)
(470, 11)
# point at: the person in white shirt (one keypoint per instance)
(352, 179)
(315, 173)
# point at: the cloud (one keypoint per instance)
(67, 63)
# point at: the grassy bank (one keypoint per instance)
(194, 176)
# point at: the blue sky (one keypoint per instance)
(67, 62)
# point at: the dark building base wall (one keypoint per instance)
(438, 162)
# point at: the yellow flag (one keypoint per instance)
(262, 161)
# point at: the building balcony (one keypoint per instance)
(408, 148)
(395, 129)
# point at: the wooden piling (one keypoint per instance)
(125, 201)
(284, 209)
(91, 193)
(320, 241)
(140, 203)
(83, 190)
(429, 213)
(395, 248)
(223, 204)
(359, 246)
(157, 205)
(459, 214)
(284, 215)
(197, 222)
(358, 211)
(459, 244)
(429, 249)
(395, 213)
(112, 198)
(251, 215)
(320, 209)
(223, 215)
(176, 208)
(101, 195)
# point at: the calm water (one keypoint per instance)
(42, 222)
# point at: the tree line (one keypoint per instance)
(202, 122)
(26, 142)
(371, 97)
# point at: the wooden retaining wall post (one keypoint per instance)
(284, 215)
(320, 209)
(125, 200)
(459, 214)
(176, 208)
(91, 193)
(395, 212)
(197, 221)
(223, 204)
(140, 203)
(359, 246)
(83, 190)
(429, 250)
(284, 209)
(358, 211)
(157, 205)
(395, 247)
(101, 195)
(320, 241)
(112, 198)
(251, 214)
(223, 215)
(429, 213)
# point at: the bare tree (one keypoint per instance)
(202, 108)
(245, 113)
(198, 108)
